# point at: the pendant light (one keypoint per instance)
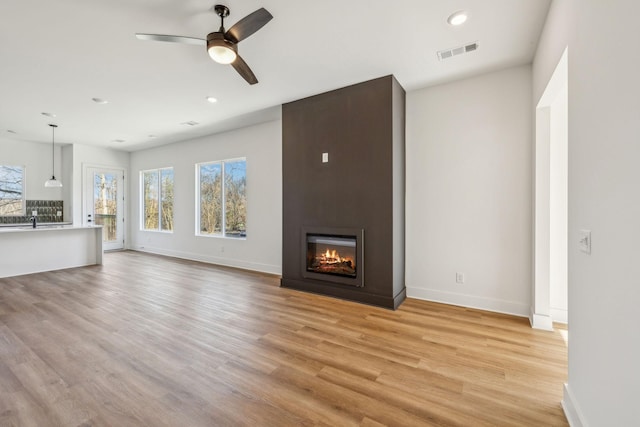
(53, 182)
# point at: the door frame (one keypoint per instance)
(541, 311)
(86, 167)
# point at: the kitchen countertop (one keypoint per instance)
(28, 224)
(44, 227)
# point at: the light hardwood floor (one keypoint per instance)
(152, 341)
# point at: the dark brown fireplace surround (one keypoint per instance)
(343, 193)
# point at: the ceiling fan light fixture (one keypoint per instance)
(222, 45)
(222, 54)
(221, 50)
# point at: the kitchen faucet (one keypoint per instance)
(33, 220)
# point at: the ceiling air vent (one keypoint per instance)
(455, 51)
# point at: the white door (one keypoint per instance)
(104, 204)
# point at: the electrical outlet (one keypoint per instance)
(222, 249)
(34, 213)
(459, 278)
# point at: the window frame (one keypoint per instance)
(223, 233)
(159, 199)
(23, 199)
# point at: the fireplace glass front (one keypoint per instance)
(334, 255)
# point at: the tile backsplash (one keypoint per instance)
(47, 212)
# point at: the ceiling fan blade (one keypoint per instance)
(173, 39)
(243, 69)
(248, 25)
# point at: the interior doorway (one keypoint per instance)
(104, 204)
(550, 291)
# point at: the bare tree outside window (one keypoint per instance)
(166, 196)
(150, 200)
(105, 208)
(157, 199)
(235, 193)
(12, 200)
(222, 198)
(211, 198)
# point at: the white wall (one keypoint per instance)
(262, 249)
(604, 291)
(67, 182)
(36, 157)
(469, 188)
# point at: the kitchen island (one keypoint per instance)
(25, 250)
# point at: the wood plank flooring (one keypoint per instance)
(146, 340)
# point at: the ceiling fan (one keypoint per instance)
(223, 45)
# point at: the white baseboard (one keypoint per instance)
(541, 321)
(571, 409)
(471, 301)
(559, 315)
(227, 262)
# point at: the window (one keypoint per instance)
(157, 199)
(12, 201)
(222, 198)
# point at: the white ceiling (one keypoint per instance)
(58, 55)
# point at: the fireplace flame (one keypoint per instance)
(331, 257)
(328, 260)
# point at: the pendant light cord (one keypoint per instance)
(53, 182)
(53, 150)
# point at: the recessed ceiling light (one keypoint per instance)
(190, 123)
(119, 141)
(152, 136)
(211, 99)
(48, 114)
(99, 101)
(11, 131)
(458, 18)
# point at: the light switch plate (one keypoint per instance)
(584, 242)
(325, 157)
(34, 213)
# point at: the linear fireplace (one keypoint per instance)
(333, 255)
